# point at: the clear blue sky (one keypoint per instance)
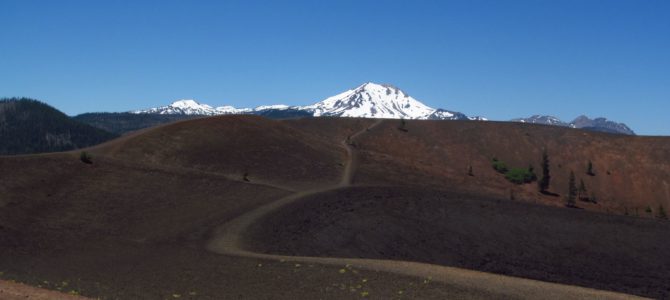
(499, 59)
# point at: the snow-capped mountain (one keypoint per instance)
(582, 122)
(373, 100)
(539, 119)
(191, 107)
(369, 100)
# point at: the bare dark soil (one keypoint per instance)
(266, 150)
(568, 246)
(135, 222)
(115, 270)
(54, 201)
(631, 173)
(133, 231)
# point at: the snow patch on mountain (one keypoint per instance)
(192, 107)
(180, 107)
(372, 100)
(540, 119)
(277, 106)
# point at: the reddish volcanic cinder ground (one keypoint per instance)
(243, 207)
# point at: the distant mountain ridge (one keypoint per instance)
(602, 124)
(581, 122)
(30, 126)
(120, 123)
(191, 107)
(370, 100)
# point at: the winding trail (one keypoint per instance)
(352, 161)
(228, 240)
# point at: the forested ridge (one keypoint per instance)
(30, 126)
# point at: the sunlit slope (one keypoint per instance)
(631, 174)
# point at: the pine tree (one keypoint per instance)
(403, 125)
(589, 169)
(572, 190)
(581, 192)
(546, 178)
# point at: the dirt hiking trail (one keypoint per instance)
(228, 239)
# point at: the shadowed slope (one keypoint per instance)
(265, 150)
(233, 238)
(54, 202)
(447, 228)
(136, 220)
(130, 228)
(127, 230)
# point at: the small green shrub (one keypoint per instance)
(520, 175)
(514, 175)
(499, 166)
(85, 158)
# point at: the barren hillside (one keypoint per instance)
(141, 219)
